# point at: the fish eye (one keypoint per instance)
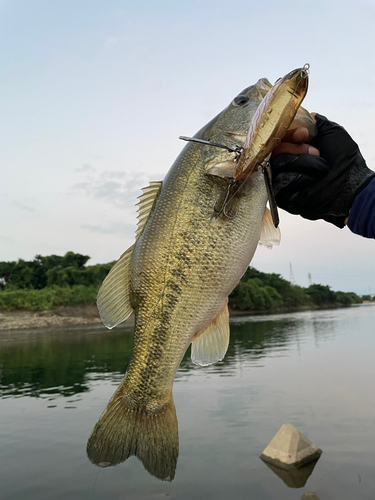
(240, 100)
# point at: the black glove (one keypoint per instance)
(321, 187)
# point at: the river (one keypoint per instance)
(314, 369)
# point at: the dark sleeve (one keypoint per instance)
(362, 214)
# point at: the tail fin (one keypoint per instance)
(122, 432)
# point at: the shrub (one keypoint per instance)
(47, 298)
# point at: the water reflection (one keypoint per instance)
(65, 361)
(61, 362)
(45, 363)
(314, 370)
(294, 477)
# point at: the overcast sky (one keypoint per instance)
(94, 94)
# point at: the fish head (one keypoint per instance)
(233, 122)
(231, 125)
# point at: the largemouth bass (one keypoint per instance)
(197, 234)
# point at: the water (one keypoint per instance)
(313, 369)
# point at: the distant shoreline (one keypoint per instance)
(88, 315)
(53, 318)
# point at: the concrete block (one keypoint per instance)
(290, 448)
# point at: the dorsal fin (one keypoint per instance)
(113, 297)
(211, 344)
(146, 204)
(269, 234)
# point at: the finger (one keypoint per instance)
(300, 135)
(296, 135)
(296, 149)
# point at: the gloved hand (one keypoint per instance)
(321, 187)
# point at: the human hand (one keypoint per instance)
(295, 142)
(319, 187)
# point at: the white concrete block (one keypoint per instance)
(290, 448)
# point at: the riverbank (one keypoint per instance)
(59, 317)
(52, 318)
(88, 315)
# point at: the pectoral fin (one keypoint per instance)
(211, 344)
(269, 234)
(113, 297)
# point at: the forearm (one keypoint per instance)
(362, 214)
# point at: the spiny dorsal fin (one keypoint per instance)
(211, 344)
(113, 297)
(146, 204)
(269, 234)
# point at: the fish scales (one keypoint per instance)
(208, 257)
(185, 262)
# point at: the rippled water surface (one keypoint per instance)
(313, 369)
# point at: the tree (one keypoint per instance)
(321, 294)
(36, 274)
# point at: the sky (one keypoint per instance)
(94, 95)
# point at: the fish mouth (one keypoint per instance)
(238, 137)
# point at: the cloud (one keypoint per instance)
(85, 168)
(128, 229)
(114, 174)
(122, 192)
(23, 207)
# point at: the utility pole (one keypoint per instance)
(309, 279)
(291, 275)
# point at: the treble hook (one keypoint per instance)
(219, 210)
(223, 208)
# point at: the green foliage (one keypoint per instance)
(47, 298)
(259, 291)
(321, 294)
(52, 270)
(252, 295)
(51, 281)
(367, 297)
(354, 298)
(324, 295)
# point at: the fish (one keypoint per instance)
(273, 117)
(197, 233)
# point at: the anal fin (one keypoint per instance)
(211, 344)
